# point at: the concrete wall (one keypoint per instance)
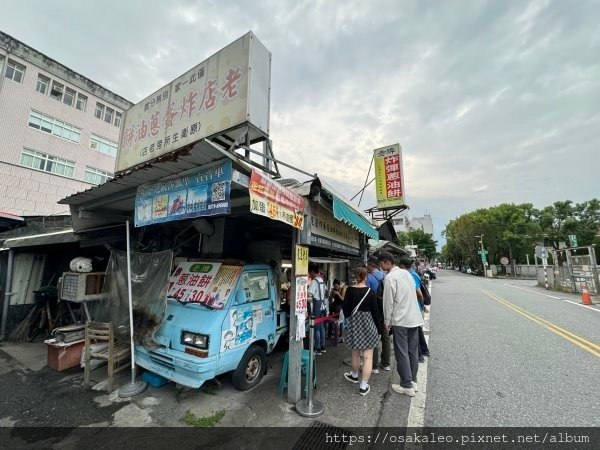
(25, 191)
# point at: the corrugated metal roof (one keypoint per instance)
(172, 164)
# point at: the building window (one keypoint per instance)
(99, 110)
(14, 71)
(69, 97)
(42, 84)
(108, 115)
(47, 163)
(103, 145)
(81, 102)
(57, 91)
(54, 126)
(96, 176)
(118, 119)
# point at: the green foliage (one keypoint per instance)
(418, 237)
(203, 422)
(513, 230)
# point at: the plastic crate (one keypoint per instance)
(154, 379)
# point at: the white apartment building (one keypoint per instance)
(58, 131)
(403, 224)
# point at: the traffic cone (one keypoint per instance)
(585, 297)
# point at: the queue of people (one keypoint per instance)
(383, 308)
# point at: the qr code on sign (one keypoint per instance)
(218, 192)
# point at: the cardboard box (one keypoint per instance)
(64, 356)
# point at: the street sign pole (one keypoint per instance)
(545, 263)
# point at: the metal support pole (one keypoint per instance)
(570, 270)
(545, 263)
(308, 407)
(133, 388)
(296, 347)
(594, 264)
(7, 292)
(483, 257)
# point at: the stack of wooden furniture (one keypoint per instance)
(117, 354)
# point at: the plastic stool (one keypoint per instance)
(283, 382)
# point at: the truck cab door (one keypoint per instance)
(250, 318)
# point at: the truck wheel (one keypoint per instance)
(250, 370)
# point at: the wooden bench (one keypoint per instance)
(117, 354)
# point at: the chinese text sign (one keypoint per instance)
(211, 97)
(208, 283)
(270, 199)
(389, 179)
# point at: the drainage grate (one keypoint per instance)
(321, 435)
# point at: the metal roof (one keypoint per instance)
(124, 185)
(10, 221)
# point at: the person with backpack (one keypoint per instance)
(409, 265)
(316, 292)
(375, 279)
(402, 316)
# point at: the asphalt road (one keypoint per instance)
(497, 358)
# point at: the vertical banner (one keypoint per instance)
(301, 302)
(301, 277)
(301, 260)
(270, 199)
(389, 177)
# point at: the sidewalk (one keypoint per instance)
(168, 405)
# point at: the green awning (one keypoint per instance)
(344, 213)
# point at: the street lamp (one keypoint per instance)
(483, 254)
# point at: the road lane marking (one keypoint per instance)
(583, 306)
(533, 292)
(416, 412)
(552, 296)
(585, 341)
(586, 345)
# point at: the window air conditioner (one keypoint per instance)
(79, 287)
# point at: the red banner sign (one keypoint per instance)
(270, 199)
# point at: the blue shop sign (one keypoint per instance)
(202, 193)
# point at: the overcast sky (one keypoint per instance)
(492, 101)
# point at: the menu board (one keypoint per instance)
(207, 283)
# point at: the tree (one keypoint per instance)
(513, 230)
(419, 238)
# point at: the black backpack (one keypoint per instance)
(380, 289)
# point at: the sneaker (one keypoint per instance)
(375, 371)
(318, 352)
(348, 376)
(323, 350)
(402, 390)
(386, 368)
(415, 386)
(364, 391)
(421, 359)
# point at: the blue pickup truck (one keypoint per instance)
(219, 318)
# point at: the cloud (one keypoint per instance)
(491, 101)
